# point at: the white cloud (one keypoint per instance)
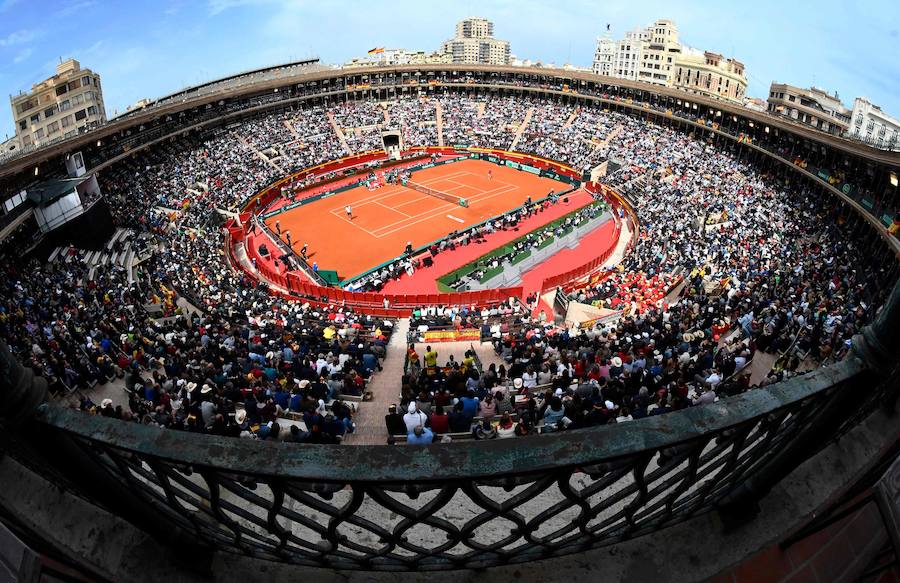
(217, 6)
(23, 55)
(17, 38)
(73, 8)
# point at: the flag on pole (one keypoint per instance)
(376, 50)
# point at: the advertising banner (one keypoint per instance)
(453, 335)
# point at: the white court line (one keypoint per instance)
(441, 209)
(498, 181)
(428, 215)
(345, 219)
(390, 208)
(452, 204)
(397, 189)
(415, 200)
(434, 214)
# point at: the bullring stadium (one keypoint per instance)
(448, 317)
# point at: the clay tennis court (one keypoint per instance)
(384, 220)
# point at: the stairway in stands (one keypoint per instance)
(112, 255)
(385, 388)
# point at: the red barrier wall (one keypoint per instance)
(567, 278)
(373, 303)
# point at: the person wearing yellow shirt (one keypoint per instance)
(431, 357)
(329, 332)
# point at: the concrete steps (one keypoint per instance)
(385, 388)
(439, 120)
(339, 133)
(522, 127)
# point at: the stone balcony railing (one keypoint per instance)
(466, 505)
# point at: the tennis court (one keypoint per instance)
(385, 219)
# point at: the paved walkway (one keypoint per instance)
(439, 120)
(521, 130)
(385, 385)
(385, 388)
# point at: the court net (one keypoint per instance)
(437, 194)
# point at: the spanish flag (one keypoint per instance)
(376, 50)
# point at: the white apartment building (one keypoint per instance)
(62, 106)
(813, 107)
(658, 53)
(872, 125)
(400, 57)
(604, 56)
(655, 55)
(475, 44)
(627, 58)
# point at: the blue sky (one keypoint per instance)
(151, 49)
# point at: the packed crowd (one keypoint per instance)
(774, 274)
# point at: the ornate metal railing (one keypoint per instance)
(463, 505)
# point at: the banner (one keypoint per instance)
(453, 335)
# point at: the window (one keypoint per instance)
(61, 90)
(85, 81)
(65, 105)
(23, 124)
(791, 98)
(73, 85)
(78, 100)
(67, 121)
(92, 110)
(39, 134)
(53, 127)
(49, 112)
(80, 115)
(35, 118)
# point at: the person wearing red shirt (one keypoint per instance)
(440, 421)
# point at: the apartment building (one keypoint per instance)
(710, 74)
(401, 57)
(604, 56)
(872, 125)
(69, 103)
(658, 53)
(655, 55)
(474, 43)
(627, 57)
(813, 107)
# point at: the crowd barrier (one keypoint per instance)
(368, 299)
(296, 285)
(567, 278)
